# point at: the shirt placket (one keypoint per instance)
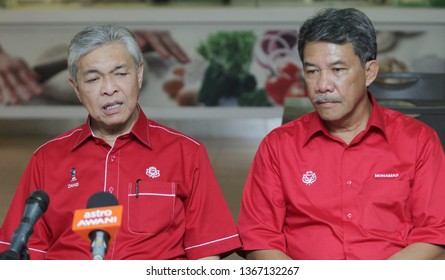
(112, 171)
(349, 197)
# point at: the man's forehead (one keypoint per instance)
(105, 58)
(328, 51)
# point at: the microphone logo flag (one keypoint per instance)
(107, 219)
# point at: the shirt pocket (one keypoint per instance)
(384, 204)
(151, 207)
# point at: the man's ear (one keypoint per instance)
(372, 69)
(140, 74)
(75, 88)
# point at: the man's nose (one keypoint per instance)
(108, 86)
(324, 82)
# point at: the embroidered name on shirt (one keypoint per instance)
(309, 178)
(73, 182)
(386, 175)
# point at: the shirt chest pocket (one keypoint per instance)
(385, 204)
(151, 207)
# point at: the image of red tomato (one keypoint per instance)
(277, 86)
(285, 82)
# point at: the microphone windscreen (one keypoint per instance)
(102, 213)
(40, 197)
(102, 199)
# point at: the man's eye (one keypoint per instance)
(121, 74)
(311, 71)
(338, 69)
(90, 80)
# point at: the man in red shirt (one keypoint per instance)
(172, 205)
(352, 180)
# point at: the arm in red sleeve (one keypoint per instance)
(263, 209)
(210, 228)
(428, 191)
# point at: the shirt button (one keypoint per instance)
(348, 183)
(113, 158)
(349, 216)
(111, 189)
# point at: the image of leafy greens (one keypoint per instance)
(229, 54)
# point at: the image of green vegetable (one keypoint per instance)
(229, 54)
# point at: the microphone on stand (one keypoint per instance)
(98, 223)
(36, 205)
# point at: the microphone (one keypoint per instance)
(36, 205)
(9, 255)
(98, 223)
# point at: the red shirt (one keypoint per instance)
(180, 212)
(312, 196)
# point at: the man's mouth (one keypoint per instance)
(112, 106)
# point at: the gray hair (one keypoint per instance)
(95, 36)
(340, 26)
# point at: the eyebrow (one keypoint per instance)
(337, 62)
(94, 70)
(119, 67)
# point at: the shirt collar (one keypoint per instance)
(85, 133)
(139, 130)
(376, 120)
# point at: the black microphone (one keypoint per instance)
(9, 255)
(36, 205)
(99, 222)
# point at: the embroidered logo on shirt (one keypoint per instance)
(309, 178)
(73, 182)
(153, 172)
(386, 175)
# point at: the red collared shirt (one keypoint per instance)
(312, 196)
(179, 212)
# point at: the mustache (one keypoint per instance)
(323, 98)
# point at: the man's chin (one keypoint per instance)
(328, 116)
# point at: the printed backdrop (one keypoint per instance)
(227, 67)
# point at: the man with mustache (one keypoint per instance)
(352, 180)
